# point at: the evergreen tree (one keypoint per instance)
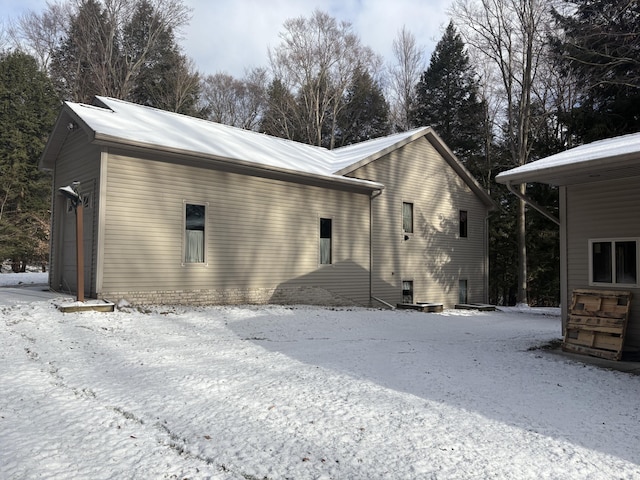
(126, 50)
(600, 47)
(79, 67)
(365, 114)
(28, 108)
(165, 79)
(447, 99)
(280, 116)
(316, 60)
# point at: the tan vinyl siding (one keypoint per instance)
(260, 233)
(434, 257)
(77, 161)
(602, 210)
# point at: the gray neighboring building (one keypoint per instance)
(180, 210)
(599, 230)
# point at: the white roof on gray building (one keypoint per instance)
(605, 159)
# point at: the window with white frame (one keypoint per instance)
(194, 234)
(613, 261)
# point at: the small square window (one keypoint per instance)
(463, 224)
(613, 261)
(407, 217)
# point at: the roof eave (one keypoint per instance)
(336, 180)
(383, 152)
(568, 173)
(442, 148)
(59, 135)
(460, 169)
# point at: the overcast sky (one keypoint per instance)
(234, 35)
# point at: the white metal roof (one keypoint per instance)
(159, 128)
(610, 158)
(114, 121)
(153, 127)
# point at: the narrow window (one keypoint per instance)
(614, 261)
(407, 291)
(194, 233)
(462, 291)
(601, 262)
(407, 217)
(463, 223)
(626, 262)
(325, 241)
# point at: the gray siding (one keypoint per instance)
(601, 210)
(262, 235)
(435, 258)
(77, 161)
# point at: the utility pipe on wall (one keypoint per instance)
(529, 201)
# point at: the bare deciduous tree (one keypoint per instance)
(177, 90)
(108, 42)
(404, 75)
(239, 103)
(158, 18)
(510, 34)
(316, 61)
(4, 35)
(39, 34)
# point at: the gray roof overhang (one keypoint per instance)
(573, 173)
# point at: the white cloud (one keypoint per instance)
(233, 36)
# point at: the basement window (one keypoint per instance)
(407, 291)
(462, 292)
(613, 262)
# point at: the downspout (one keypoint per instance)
(485, 263)
(373, 196)
(532, 203)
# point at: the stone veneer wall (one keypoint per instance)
(233, 296)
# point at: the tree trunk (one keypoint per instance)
(522, 251)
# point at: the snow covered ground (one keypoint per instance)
(27, 278)
(306, 393)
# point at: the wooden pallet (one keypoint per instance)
(597, 323)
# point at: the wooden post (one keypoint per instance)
(80, 250)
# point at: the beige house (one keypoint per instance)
(180, 210)
(599, 230)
